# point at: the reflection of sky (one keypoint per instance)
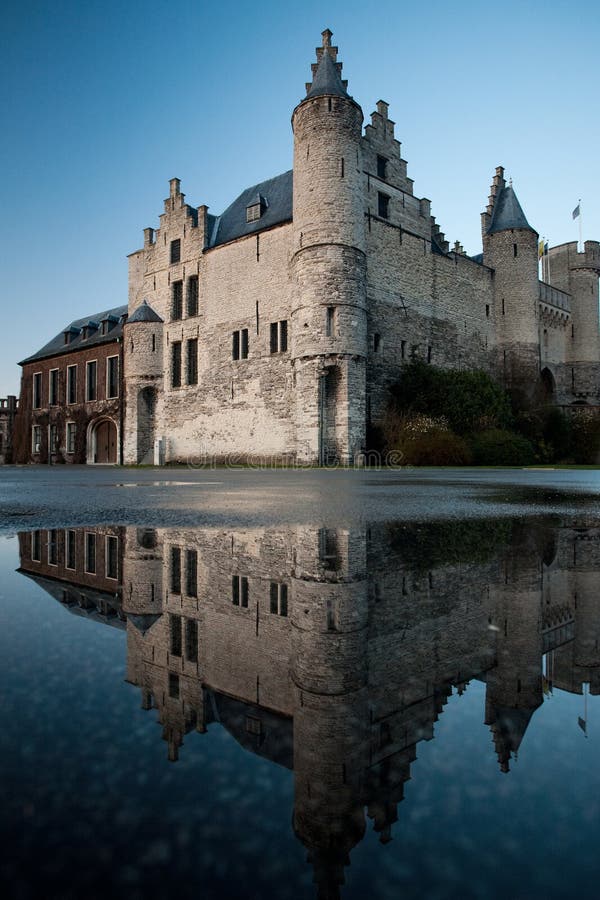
(87, 788)
(104, 102)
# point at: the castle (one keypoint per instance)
(276, 329)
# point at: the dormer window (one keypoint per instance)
(70, 334)
(253, 212)
(88, 330)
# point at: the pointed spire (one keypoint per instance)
(507, 212)
(327, 77)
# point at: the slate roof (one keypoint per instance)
(507, 212)
(327, 79)
(144, 313)
(276, 194)
(57, 346)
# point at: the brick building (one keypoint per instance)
(8, 410)
(276, 328)
(70, 408)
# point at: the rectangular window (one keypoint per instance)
(54, 439)
(330, 322)
(278, 336)
(175, 251)
(176, 570)
(36, 439)
(70, 556)
(383, 205)
(36, 546)
(53, 387)
(381, 167)
(328, 549)
(192, 296)
(192, 361)
(240, 344)
(376, 343)
(71, 435)
(173, 685)
(403, 349)
(91, 372)
(191, 640)
(239, 591)
(191, 573)
(112, 377)
(53, 547)
(37, 390)
(90, 553)
(177, 300)
(176, 364)
(175, 634)
(278, 599)
(112, 556)
(253, 212)
(71, 384)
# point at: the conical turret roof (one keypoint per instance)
(507, 212)
(144, 313)
(327, 79)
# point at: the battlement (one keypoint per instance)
(588, 259)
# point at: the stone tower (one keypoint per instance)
(577, 274)
(329, 317)
(510, 247)
(143, 365)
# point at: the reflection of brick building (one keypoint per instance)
(8, 411)
(334, 651)
(82, 568)
(70, 407)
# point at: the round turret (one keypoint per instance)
(329, 319)
(143, 371)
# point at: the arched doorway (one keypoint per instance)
(146, 423)
(548, 385)
(103, 442)
(329, 386)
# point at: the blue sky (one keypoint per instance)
(104, 102)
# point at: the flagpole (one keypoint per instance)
(580, 228)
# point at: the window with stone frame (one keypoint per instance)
(54, 442)
(382, 167)
(90, 552)
(240, 344)
(70, 549)
(37, 390)
(192, 295)
(91, 377)
(36, 439)
(176, 570)
(253, 212)
(111, 554)
(279, 336)
(192, 361)
(53, 387)
(279, 598)
(383, 205)
(177, 300)
(175, 254)
(112, 377)
(191, 640)
(176, 364)
(191, 573)
(53, 547)
(173, 685)
(71, 436)
(72, 384)
(175, 635)
(239, 591)
(36, 546)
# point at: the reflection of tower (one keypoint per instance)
(329, 322)
(514, 685)
(329, 670)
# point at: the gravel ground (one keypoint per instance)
(56, 497)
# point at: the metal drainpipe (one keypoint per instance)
(121, 400)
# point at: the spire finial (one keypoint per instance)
(327, 35)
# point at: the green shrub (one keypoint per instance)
(497, 447)
(586, 437)
(438, 447)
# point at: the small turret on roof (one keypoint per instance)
(327, 72)
(144, 313)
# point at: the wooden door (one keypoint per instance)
(106, 443)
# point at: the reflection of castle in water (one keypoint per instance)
(333, 651)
